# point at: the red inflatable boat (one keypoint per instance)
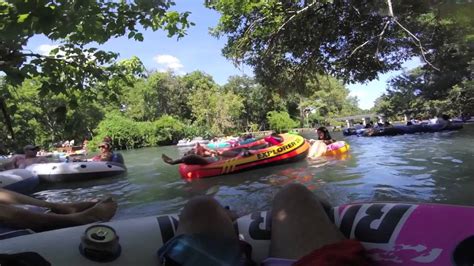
(293, 148)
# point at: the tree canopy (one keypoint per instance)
(77, 26)
(288, 42)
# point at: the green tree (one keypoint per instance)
(76, 25)
(287, 42)
(257, 101)
(216, 109)
(280, 121)
(49, 119)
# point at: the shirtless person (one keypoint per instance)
(24, 160)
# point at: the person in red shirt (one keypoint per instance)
(273, 139)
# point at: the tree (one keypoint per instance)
(257, 101)
(49, 119)
(215, 108)
(280, 121)
(76, 25)
(288, 42)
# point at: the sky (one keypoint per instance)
(200, 51)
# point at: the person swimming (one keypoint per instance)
(323, 134)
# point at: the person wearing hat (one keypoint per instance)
(105, 152)
(28, 158)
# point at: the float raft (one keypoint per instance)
(392, 234)
(76, 171)
(293, 148)
(19, 180)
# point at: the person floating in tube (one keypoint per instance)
(106, 153)
(23, 160)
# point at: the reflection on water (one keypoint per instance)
(430, 167)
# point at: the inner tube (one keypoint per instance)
(252, 145)
(76, 171)
(19, 180)
(392, 234)
(293, 148)
(337, 148)
(9, 232)
(412, 129)
(218, 145)
(189, 143)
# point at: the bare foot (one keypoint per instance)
(166, 159)
(103, 211)
(69, 208)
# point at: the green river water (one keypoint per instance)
(429, 167)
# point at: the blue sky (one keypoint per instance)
(200, 51)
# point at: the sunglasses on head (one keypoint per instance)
(103, 146)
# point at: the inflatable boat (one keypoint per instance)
(251, 145)
(19, 180)
(392, 234)
(76, 171)
(292, 148)
(229, 143)
(400, 129)
(190, 143)
(338, 149)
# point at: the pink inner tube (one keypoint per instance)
(336, 145)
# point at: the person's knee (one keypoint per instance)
(294, 191)
(201, 205)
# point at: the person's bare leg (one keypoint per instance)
(21, 218)
(299, 223)
(204, 215)
(11, 197)
(188, 159)
(168, 160)
(207, 226)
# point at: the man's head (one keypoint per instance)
(105, 146)
(31, 150)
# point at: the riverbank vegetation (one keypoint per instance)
(160, 108)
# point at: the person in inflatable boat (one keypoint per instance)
(201, 155)
(60, 215)
(23, 160)
(197, 155)
(301, 234)
(273, 139)
(106, 153)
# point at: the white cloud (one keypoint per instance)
(45, 49)
(168, 62)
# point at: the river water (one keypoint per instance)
(429, 167)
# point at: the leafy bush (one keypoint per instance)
(279, 121)
(168, 130)
(129, 134)
(125, 133)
